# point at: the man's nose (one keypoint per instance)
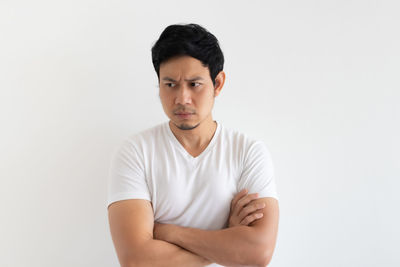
(183, 96)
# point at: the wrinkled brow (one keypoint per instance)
(197, 78)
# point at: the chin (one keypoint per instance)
(186, 126)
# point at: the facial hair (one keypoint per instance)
(184, 126)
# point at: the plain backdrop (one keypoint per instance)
(318, 81)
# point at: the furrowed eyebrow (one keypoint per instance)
(194, 79)
(189, 80)
(168, 79)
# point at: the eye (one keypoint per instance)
(170, 84)
(194, 84)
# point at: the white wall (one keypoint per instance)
(318, 81)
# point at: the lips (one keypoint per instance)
(184, 115)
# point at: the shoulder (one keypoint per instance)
(243, 141)
(147, 135)
(244, 147)
(139, 141)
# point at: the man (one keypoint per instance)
(190, 192)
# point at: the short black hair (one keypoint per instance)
(191, 40)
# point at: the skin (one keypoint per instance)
(151, 244)
(249, 240)
(185, 85)
(244, 210)
(238, 245)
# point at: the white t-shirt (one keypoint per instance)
(185, 190)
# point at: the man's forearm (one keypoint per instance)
(161, 253)
(234, 246)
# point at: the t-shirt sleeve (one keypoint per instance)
(258, 172)
(126, 178)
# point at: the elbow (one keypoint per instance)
(132, 259)
(264, 259)
(136, 255)
(129, 262)
(259, 257)
(134, 262)
(264, 263)
(263, 253)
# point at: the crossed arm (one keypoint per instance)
(248, 241)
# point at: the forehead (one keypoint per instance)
(183, 66)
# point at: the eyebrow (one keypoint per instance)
(188, 80)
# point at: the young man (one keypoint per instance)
(177, 193)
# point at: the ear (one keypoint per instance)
(219, 83)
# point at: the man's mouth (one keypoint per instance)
(184, 115)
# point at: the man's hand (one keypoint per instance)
(243, 211)
(233, 246)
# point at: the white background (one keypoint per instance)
(318, 81)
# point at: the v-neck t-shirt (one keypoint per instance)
(185, 190)
(191, 160)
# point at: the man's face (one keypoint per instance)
(186, 91)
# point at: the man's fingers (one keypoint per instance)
(245, 200)
(250, 209)
(243, 212)
(249, 219)
(237, 197)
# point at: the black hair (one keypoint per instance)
(191, 40)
